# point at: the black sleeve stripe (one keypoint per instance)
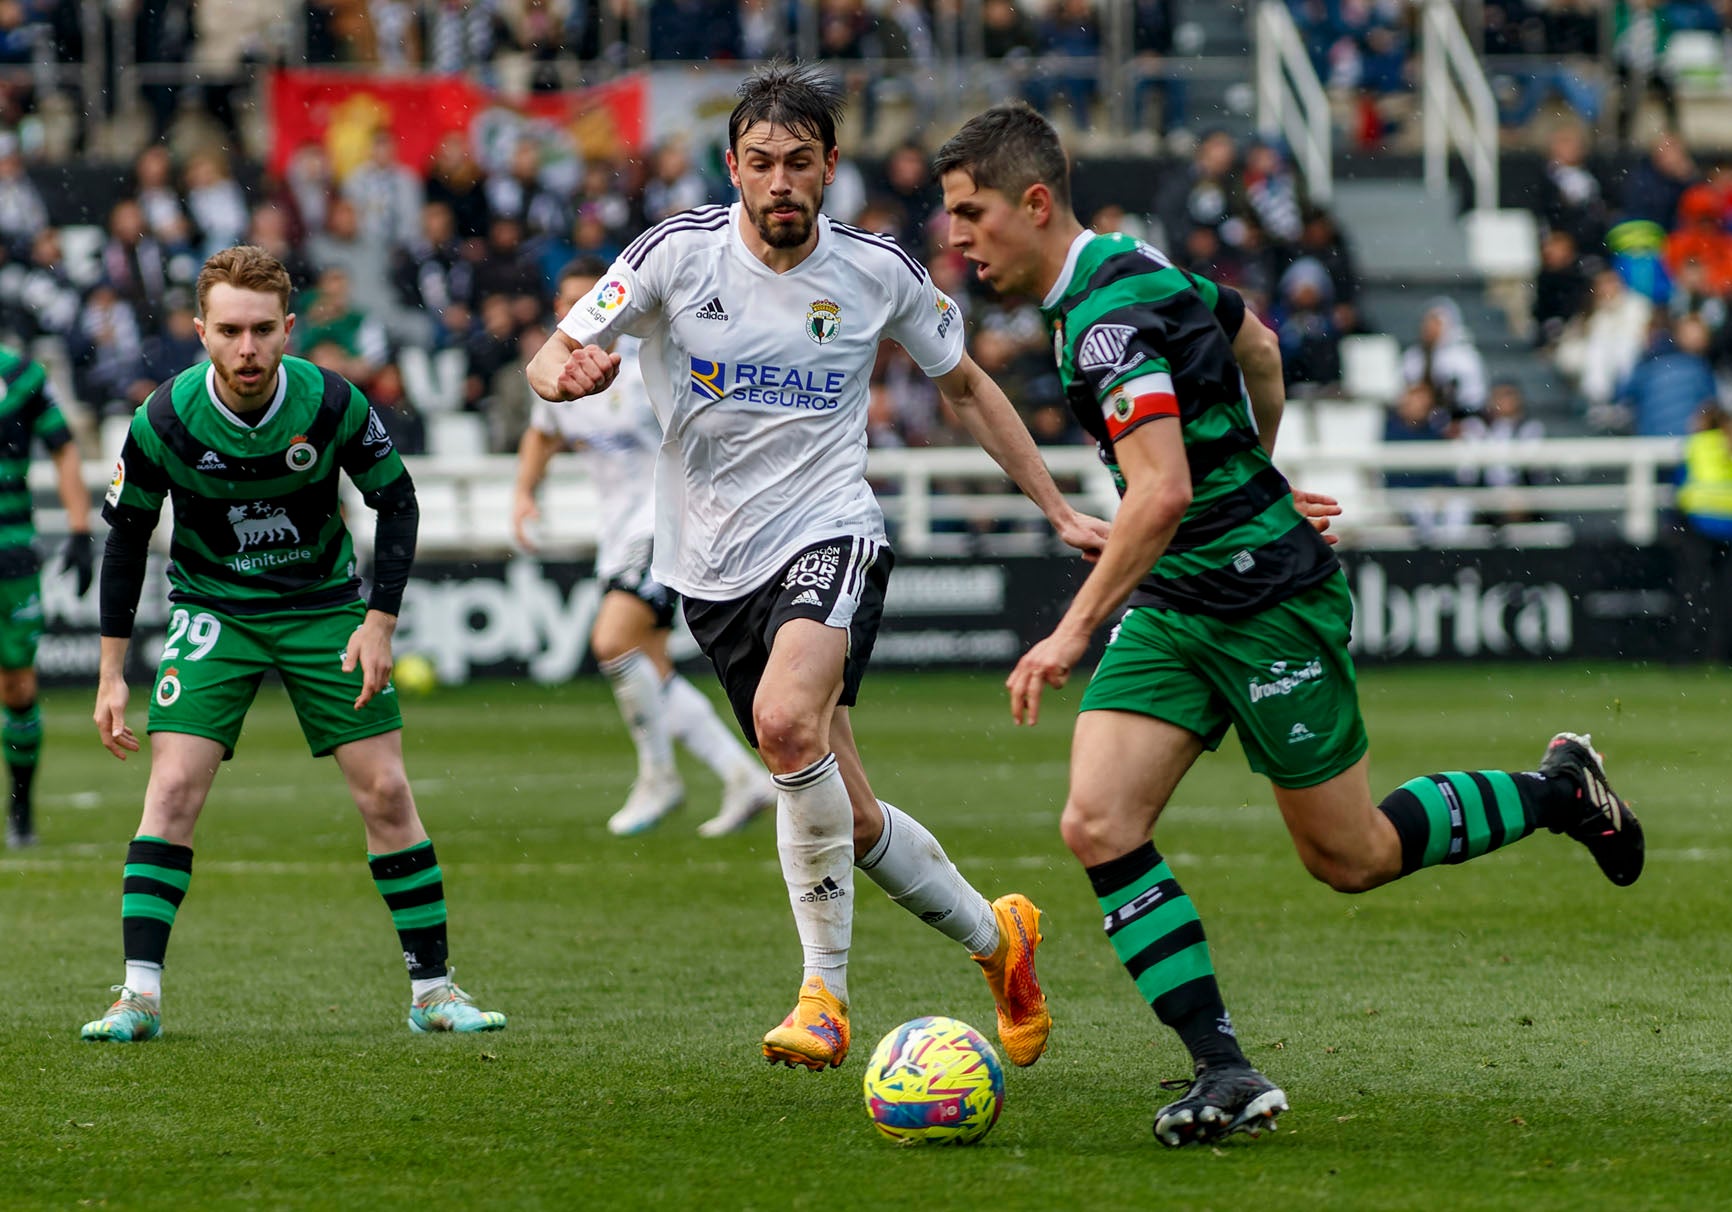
(647, 243)
(702, 214)
(1230, 311)
(884, 242)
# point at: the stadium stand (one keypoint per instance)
(444, 299)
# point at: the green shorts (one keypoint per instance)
(1283, 678)
(212, 663)
(20, 621)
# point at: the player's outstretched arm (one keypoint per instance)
(369, 648)
(564, 370)
(1157, 493)
(1258, 352)
(993, 422)
(75, 497)
(534, 453)
(111, 696)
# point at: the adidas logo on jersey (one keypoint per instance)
(827, 891)
(212, 462)
(713, 310)
(809, 598)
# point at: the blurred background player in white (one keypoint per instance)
(636, 616)
(761, 322)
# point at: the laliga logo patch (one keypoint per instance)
(611, 295)
(823, 321)
(300, 454)
(168, 690)
(117, 483)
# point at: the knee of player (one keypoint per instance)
(1343, 873)
(1093, 834)
(788, 739)
(608, 646)
(385, 796)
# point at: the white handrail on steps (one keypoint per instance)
(1456, 102)
(1291, 104)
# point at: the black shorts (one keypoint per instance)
(636, 580)
(838, 582)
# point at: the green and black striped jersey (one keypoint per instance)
(28, 410)
(257, 525)
(1137, 338)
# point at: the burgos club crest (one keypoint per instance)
(300, 454)
(823, 321)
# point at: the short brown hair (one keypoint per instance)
(244, 267)
(1008, 148)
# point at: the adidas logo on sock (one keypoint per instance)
(827, 891)
(713, 310)
(809, 598)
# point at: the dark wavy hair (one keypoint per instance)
(799, 97)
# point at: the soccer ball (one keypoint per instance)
(934, 1081)
(414, 674)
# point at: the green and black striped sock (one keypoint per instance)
(1157, 935)
(21, 737)
(1457, 816)
(414, 892)
(156, 878)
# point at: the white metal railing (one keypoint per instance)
(1291, 103)
(937, 500)
(1456, 103)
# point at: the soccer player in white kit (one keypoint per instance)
(636, 615)
(760, 324)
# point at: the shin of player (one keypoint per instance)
(1239, 614)
(262, 577)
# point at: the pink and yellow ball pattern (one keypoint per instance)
(934, 1081)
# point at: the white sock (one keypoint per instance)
(909, 864)
(421, 986)
(143, 977)
(815, 839)
(636, 689)
(694, 723)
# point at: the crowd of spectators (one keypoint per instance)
(428, 285)
(1635, 283)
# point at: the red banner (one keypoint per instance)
(341, 110)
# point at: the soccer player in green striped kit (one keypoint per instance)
(1239, 614)
(29, 412)
(262, 576)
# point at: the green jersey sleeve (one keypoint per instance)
(50, 423)
(136, 491)
(365, 450)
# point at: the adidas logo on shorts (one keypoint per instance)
(713, 310)
(809, 598)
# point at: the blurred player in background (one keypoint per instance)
(761, 322)
(262, 576)
(29, 411)
(1239, 614)
(636, 615)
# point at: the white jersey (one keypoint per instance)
(620, 429)
(759, 380)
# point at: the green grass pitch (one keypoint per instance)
(1512, 1034)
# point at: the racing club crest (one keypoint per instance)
(300, 454)
(823, 321)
